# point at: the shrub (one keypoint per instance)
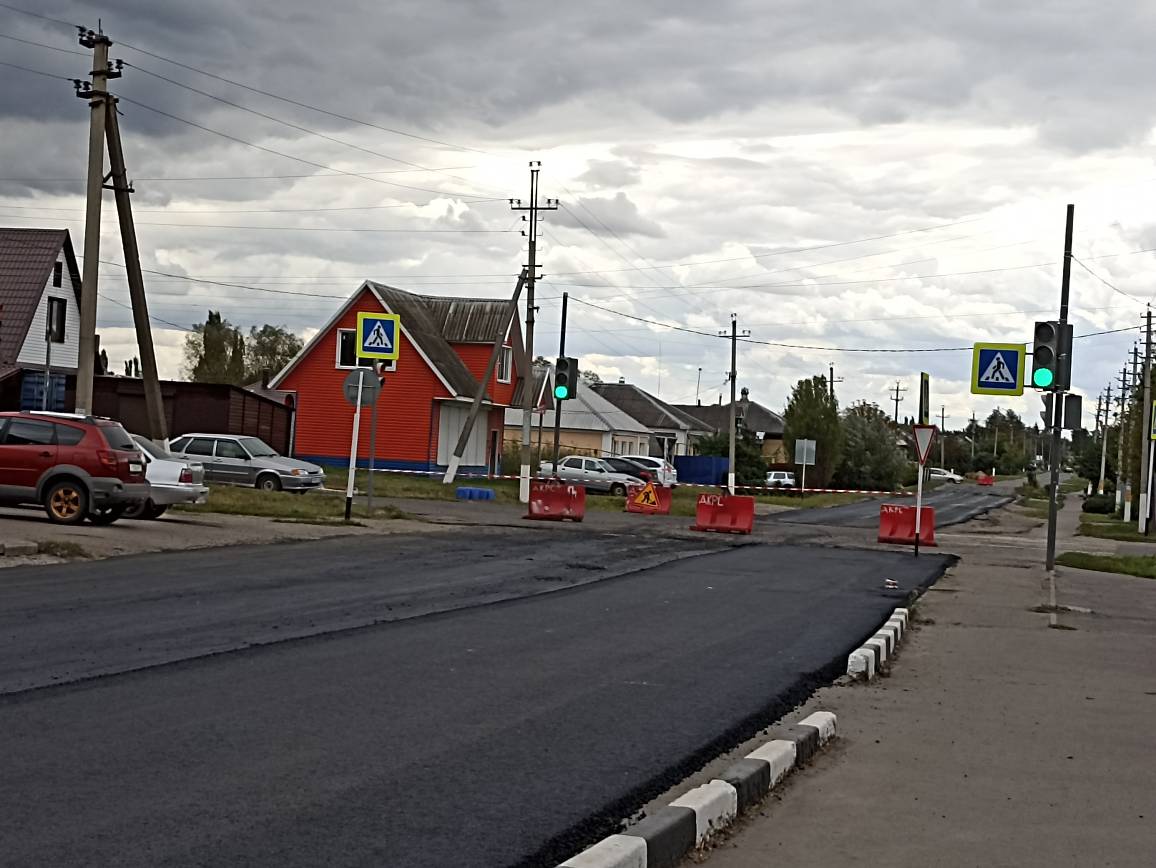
(1101, 504)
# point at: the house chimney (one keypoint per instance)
(746, 393)
(622, 381)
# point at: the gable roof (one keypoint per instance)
(432, 324)
(587, 411)
(26, 260)
(652, 412)
(755, 416)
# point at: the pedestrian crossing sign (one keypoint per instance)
(377, 335)
(998, 369)
(647, 496)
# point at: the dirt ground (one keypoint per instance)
(179, 531)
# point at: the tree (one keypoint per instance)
(871, 458)
(590, 378)
(750, 468)
(209, 350)
(812, 414)
(269, 349)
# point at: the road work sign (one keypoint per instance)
(647, 496)
(377, 335)
(998, 369)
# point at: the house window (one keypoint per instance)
(506, 365)
(57, 309)
(347, 351)
(57, 273)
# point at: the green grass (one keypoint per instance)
(1131, 565)
(1071, 486)
(312, 507)
(1109, 527)
(63, 549)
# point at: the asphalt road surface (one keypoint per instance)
(953, 504)
(508, 733)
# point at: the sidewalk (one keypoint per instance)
(996, 741)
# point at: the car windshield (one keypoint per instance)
(258, 448)
(152, 448)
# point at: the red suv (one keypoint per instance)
(75, 466)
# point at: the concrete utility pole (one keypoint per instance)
(897, 399)
(531, 234)
(154, 403)
(1104, 444)
(734, 336)
(832, 381)
(1121, 473)
(96, 96)
(1146, 428)
(942, 427)
(974, 432)
(1057, 402)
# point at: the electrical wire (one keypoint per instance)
(42, 45)
(371, 229)
(11, 8)
(1110, 286)
(153, 318)
(241, 177)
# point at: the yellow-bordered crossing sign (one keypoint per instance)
(377, 335)
(998, 369)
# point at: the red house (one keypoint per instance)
(444, 347)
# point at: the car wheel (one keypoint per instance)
(107, 514)
(140, 510)
(66, 502)
(268, 482)
(156, 511)
(618, 490)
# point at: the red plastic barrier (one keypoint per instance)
(552, 500)
(724, 513)
(984, 479)
(649, 499)
(897, 524)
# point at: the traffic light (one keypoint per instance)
(1052, 355)
(565, 378)
(1046, 413)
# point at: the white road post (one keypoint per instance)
(353, 446)
(918, 506)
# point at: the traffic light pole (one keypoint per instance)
(1057, 401)
(557, 403)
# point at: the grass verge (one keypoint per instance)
(1109, 527)
(313, 507)
(62, 549)
(1143, 566)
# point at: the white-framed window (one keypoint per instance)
(506, 365)
(347, 353)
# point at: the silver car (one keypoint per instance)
(172, 480)
(594, 473)
(248, 461)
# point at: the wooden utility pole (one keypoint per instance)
(1104, 443)
(97, 94)
(531, 272)
(897, 399)
(1121, 472)
(942, 436)
(154, 403)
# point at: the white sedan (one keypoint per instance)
(172, 480)
(945, 475)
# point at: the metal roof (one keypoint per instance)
(26, 260)
(755, 416)
(587, 411)
(652, 412)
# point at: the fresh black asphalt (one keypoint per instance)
(504, 734)
(953, 504)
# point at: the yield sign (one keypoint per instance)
(924, 435)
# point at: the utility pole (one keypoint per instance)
(1057, 401)
(1104, 444)
(96, 95)
(47, 354)
(1121, 473)
(942, 426)
(734, 336)
(531, 234)
(1146, 428)
(832, 381)
(557, 403)
(974, 432)
(898, 399)
(697, 382)
(154, 403)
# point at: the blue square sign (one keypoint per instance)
(377, 335)
(998, 369)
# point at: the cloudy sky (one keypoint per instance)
(842, 176)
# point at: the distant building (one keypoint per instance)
(672, 431)
(445, 344)
(39, 317)
(765, 424)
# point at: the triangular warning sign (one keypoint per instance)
(924, 435)
(647, 496)
(378, 339)
(998, 373)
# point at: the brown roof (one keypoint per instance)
(755, 416)
(652, 412)
(26, 260)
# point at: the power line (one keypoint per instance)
(373, 229)
(35, 71)
(1110, 286)
(247, 177)
(229, 210)
(153, 318)
(42, 45)
(67, 24)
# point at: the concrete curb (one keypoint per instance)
(18, 548)
(686, 824)
(866, 661)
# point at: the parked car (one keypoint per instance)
(75, 466)
(594, 473)
(945, 475)
(780, 479)
(247, 461)
(664, 472)
(172, 480)
(631, 468)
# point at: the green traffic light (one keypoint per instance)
(561, 392)
(1042, 378)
